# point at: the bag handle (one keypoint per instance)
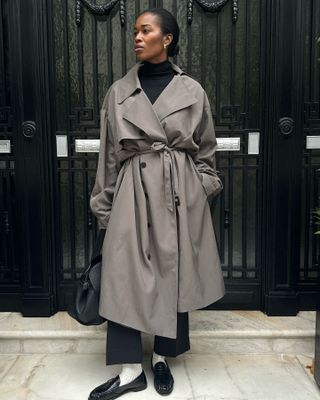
(98, 245)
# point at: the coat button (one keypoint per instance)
(143, 164)
(149, 256)
(149, 224)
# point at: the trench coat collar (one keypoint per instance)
(141, 112)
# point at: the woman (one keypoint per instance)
(156, 169)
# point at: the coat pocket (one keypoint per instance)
(211, 184)
(198, 175)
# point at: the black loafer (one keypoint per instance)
(163, 379)
(111, 389)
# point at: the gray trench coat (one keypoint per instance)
(156, 168)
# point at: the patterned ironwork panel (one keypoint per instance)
(9, 270)
(310, 189)
(221, 48)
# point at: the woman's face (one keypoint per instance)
(149, 40)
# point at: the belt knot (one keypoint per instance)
(158, 146)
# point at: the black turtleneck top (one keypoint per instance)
(155, 77)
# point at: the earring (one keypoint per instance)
(164, 46)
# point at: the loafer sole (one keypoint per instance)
(164, 393)
(119, 391)
(115, 395)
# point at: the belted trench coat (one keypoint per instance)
(156, 169)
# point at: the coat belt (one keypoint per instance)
(171, 195)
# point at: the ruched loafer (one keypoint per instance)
(112, 389)
(163, 379)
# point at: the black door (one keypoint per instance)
(292, 129)
(258, 62)
(26, 202)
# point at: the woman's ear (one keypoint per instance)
(170, 38)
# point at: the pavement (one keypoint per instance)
(267, 363)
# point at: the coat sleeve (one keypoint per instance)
(205, 160)
(107, 172)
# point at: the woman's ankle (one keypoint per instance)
(129, 372)
(156, 358)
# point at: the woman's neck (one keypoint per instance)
(153, 69)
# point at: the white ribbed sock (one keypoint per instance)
(129, 372)
(156, 358)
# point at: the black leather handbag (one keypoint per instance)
(86, 302)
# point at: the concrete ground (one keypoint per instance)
(243, 363)
(199, 377)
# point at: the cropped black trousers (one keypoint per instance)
(124, 343)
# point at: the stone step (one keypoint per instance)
(211, 332)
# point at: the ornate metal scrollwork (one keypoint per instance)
(100, 9)
(235, 10)
(83, 117)
(212, 6)
(286, 125)
(29, 129)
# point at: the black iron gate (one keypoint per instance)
(258, 62)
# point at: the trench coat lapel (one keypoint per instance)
(141, 112)
(174, 97)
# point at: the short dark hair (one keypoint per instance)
(168, 24)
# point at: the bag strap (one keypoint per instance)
(98, 244)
